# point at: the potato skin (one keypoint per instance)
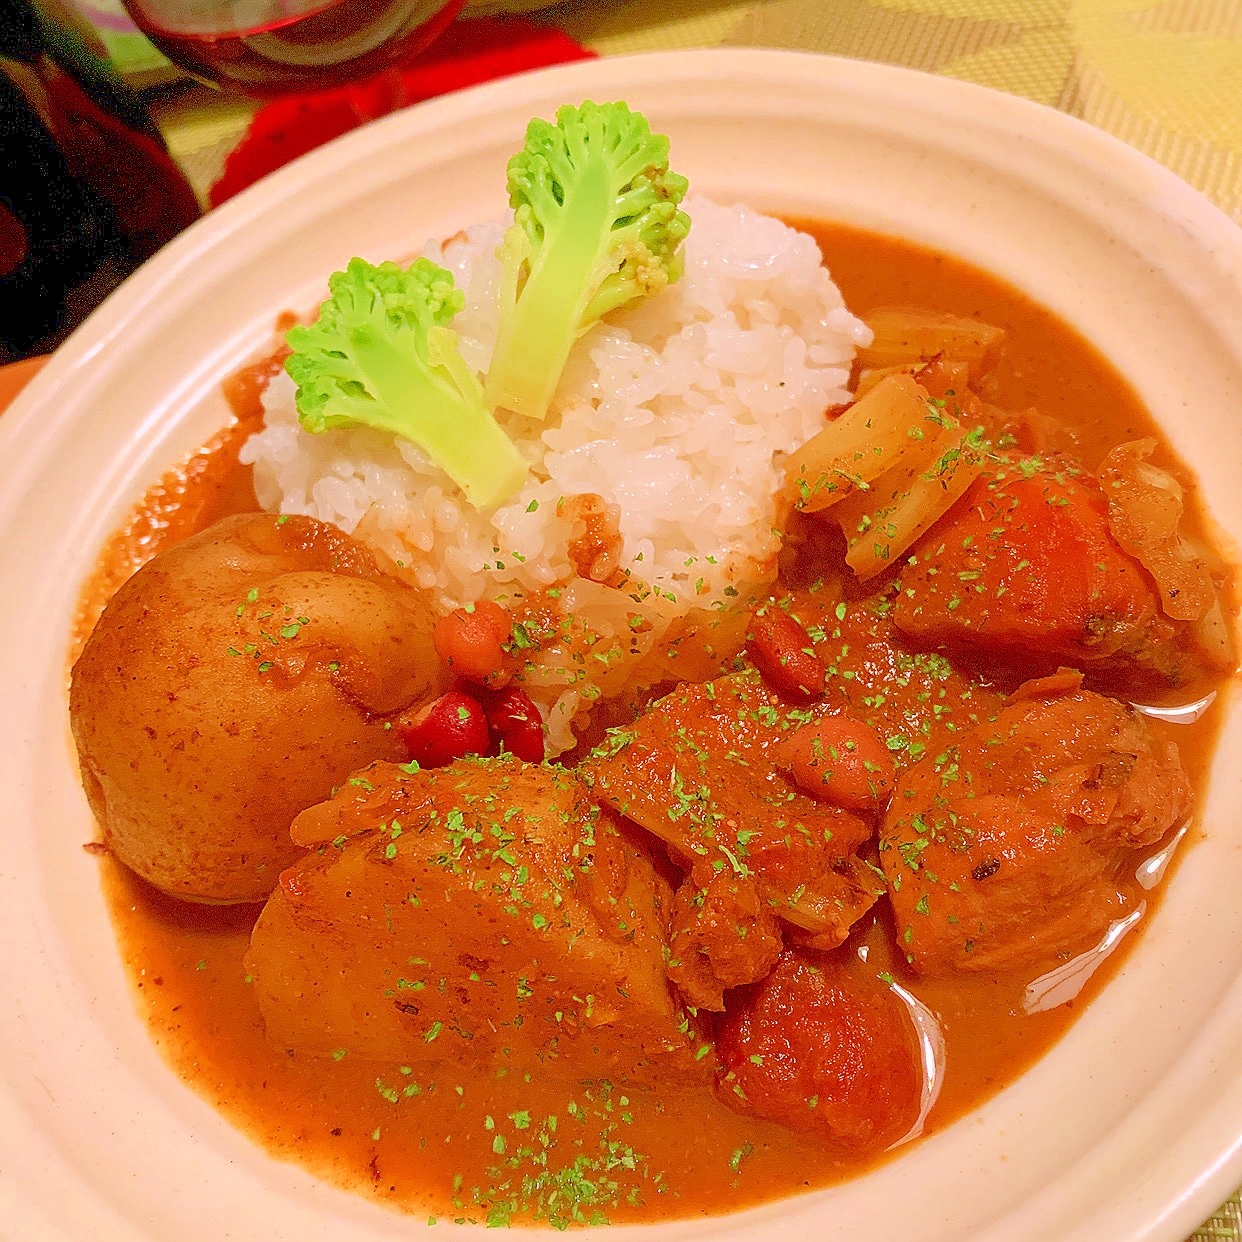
(233, 681)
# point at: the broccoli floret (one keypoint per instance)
(596, 225)
(382, 354)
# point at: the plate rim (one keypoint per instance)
(1197, 211)
(19, 425)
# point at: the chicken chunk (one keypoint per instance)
(234, 680)
(724, 935)
(1026, 566)
(482, 912)
(1003, 850)
(699, 770)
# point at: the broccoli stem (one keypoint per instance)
(596, 226)
(534, 341)
(424, 405)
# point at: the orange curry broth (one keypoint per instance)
(448, 1141)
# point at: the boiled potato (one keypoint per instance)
(233, 681)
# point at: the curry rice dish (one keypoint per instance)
(806, 880)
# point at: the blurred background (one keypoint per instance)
(121, 120)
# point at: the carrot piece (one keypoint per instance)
(471, 641)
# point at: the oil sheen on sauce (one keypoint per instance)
(472, 1144)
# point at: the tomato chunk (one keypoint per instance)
(823, 1048)
(1026, 566)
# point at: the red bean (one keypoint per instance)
(782, 652)
(515, 721)
(840, 759)
(454, 726)
(471, 641)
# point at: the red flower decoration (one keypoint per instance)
(468, 53)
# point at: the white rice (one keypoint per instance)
(677, 412)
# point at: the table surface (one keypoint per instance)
(1164, 76)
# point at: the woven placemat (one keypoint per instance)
(1166, 77)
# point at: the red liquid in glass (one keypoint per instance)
(88, 190)
(334, 42)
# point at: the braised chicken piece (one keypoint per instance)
(824, 1048)
(1003, 850)
(234, 680)
(724, 933)
(698, 770)
(484, 912)
(1027, 567)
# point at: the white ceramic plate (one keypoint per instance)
(1130, 1129)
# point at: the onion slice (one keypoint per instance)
(1144, 512)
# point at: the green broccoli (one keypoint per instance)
(382, 354)
(596, 225)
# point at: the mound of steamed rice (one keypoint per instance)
(676, 413)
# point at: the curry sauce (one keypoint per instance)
(493, 1146)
